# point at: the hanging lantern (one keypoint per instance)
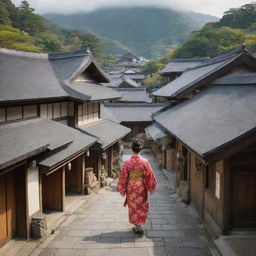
(88, 153)
(69, 166)
(33, 164)
(104, 156)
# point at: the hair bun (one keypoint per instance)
(137, 145)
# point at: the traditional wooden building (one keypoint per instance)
(134, 95)
(136, 116)
(130, 60)
(122, 81)
(132, 73)
(177, 66)
(85, 84)
(45, 100)
(212, 117)
(163, 146)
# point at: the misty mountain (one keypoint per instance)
(146, 31)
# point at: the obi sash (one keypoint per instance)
(136, 175)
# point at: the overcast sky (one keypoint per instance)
(212, 7)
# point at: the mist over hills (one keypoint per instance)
(146, 31)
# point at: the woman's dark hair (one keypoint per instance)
(137, 145)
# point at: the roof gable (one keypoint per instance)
(68, 66)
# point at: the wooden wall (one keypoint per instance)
(53, 190)
(74, 178)
(13, 204)
(196, 184)
(171, 159)
(224, 193)
(214, 197)
(243, 189)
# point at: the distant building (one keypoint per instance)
(176, 66)
(130, 60)
(136, 116)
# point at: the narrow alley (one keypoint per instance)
(100, 227)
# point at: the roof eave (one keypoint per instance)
(232, 147)
(209, 77)
(114, 142)
(68, 159)
(11, 102)
(224, 151)
(200, 156)
(24, 157)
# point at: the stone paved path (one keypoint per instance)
(100, 227)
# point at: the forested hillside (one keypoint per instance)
(22, 29)
(237, 27)
(147, 31)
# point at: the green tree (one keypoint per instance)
(76, 40)
(48, 42)
(154, 80)
(241, 17)
(211, 41)
(4, 15)
(28, 21)
(151, 67)
(13, 38)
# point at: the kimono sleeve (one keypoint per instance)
(123, 180)
(150, 178)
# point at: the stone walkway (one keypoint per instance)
(100, 227)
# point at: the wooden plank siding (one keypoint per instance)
(13, 205)
(74, 178)
(53, 190)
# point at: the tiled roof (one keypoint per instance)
(32, 76)
(134, 94)
(212, 119)
(179, 65)
(93, 91)
(193, 76)
(236, 79)
(27, 76)
(155, 132)
(23, 139)
(107, 131)
(130, 112)
(68, 65)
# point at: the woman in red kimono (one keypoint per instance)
(136, 180)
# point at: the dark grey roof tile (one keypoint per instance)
(213, 118)
(155, 132)
(134, 94)
(107, 131)
(236, 79)
(93, 90)
(179, 65)
(23, 139)
(193, 75)
(130, 112)
(27, 76)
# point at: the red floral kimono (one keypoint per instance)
(136, 191)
